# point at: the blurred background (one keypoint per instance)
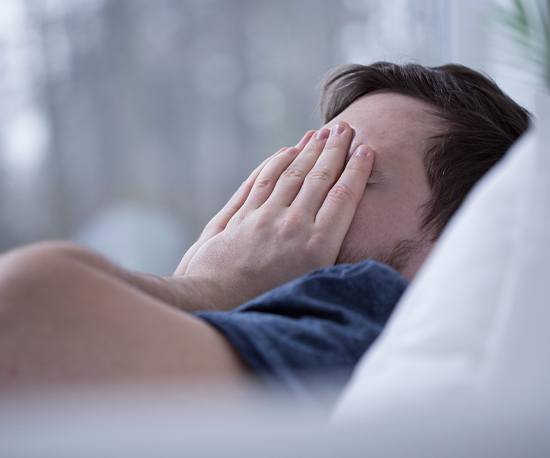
(126, 124)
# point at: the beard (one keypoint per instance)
(397, 257)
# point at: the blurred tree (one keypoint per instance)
(527, 25)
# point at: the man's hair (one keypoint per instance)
(480, 123)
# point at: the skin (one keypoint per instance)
(387, 222)
(68, 315)
(397, 128)
(293, 220)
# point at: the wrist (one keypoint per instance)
(193, 293)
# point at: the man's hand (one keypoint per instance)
(220, 220)
(288, 218)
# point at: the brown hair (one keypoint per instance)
(482, 123)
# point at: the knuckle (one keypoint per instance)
(341, 192)
(287, 229)
(294, 173)
(320, 174)
(260, 225)
(263, 219)
(289, 226)
(264, 182)
(292, 151)
(283, 155)
(236, 219)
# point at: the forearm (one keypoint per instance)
(185, 293)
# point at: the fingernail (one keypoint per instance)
(303, 141)
(362, 151)
(322, 134)
(338, 129)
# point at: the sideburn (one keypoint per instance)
(398, 258)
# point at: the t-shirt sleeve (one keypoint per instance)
(319, 324)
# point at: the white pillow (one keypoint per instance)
(473, 329)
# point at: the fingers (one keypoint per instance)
(305, 139)
(220, 220)
(291, 180)
(326, 170)
(264, 184)
(245, 192)
(340, 204)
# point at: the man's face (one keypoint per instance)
(387, 223)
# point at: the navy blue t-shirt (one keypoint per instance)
(319, 324)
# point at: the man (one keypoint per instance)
(401, 148)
